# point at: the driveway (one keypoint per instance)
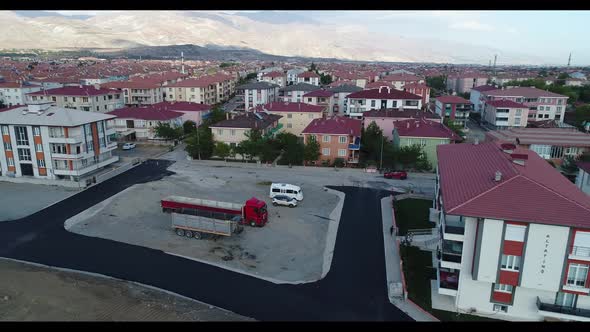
(475, 132)
(354, 289)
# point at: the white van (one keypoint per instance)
(285, 189)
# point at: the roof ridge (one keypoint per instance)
(587, 208)
(483, 193)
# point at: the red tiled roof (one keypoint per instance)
(482, 88)
(522, 91)
(400, 78)
(424, 128)
(136, 84)
(318, 93)
(335, 126)
(145, 113)
(584, 165)
(17, 85)
(505, 103)
(416, 85)
(397, 113)
(289, 107)
(183, 106)
(535, 192)
(553, 136)
(274, 74)
(376, 85)
(200, 82)
(452, 100)
(308, 74)
(84, 90)
(383, 93)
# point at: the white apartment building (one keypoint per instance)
(294, 93)
(14, 93)
(83, 98)
(276, 77)
(339, 101)
(514, 236)
(292, 75)
(47, 142)
(258, 93)
(212, 89)
(476, 97)
(308, 77)
(138, 93)
(266, 71)
(503, 114)
(382, 98)
(139, 123)
(583, 177)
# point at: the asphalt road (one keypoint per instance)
(354, 289)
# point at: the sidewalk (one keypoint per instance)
(393, 269)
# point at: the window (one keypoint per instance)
(89, 146)
(577, 274)
(219, 131)
(289, 125)
(326, 138)
(565, 299)
(38, 147)
(510, 262)
(97, 108)
(10, 161)
(5, 130)
(343, 139)
(546, 116)
(518, 112)
(74, 99)
(503, 288)
(53, 98)
(24, 154)
(22, 137)
(36, 131)
(341, 152)
(276, 190)
(58, 148)
(41, 163)
(84, 99)
(372, 103)
(7, 146)
(558, 109)
(105, 107)
(84, 162)
(541, 108)
(326, 151)
(559, 101)
(500, 308)
(65, 99)
(289, 116)
(514, 233)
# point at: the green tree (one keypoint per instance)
(165, 131)
(189, 127)
(371, 142)
(458, 129)
(325, 79)
(200, 143)
(581, 115)
(339, 162)
(313, 67)
(311, 151)
(408, 156)
(252, 146)
(221, 150)
(569, 165)
(291, 147)
(227, 64)
(436, 82)
(251, 76)
(216, 115)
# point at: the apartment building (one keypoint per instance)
(583, 177)
(294, 116)
(47, 142)
(292, 75)
(308, 77)
(400, 80)
(549, 143)
(419, 89)
(476, 97)
(266, 71)
(339, 137)
(514, 236)
(503, 114)
(139, 123)
(385, 119)
(138, 92)
(211, 89)
(258, 93)
(339, 94)
(14, 93)
(462, 83)
(190, 111)
(82, 98)
(233, 130)
(454, 108)
(381, 98)
(294, 93)
(320, 98)
(275, 77)
(542, 104)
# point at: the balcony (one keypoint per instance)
(448, 281)
(62, 139)
(454, 228)
(580, 253)
(561, 312)
(356, 145)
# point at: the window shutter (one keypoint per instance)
(515, 233)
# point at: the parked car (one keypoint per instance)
(401, 175)
(284, 200)
(128, 146)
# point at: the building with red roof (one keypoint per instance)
(276, 77)
(294, 116)
(583, 177)
(476, 97)
(421, 90)
(400, 80)
(464, 82)
(234, 128)
(514, 232)
(139, 123)
(381, 98)
(339, 137)
(15, 93)
(82, 97)
(454, 108)
(308, 77)
(208, 89)
(319, 97)
(191, 111)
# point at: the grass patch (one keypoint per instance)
(264, 183)
(418, 272)
(412, 214)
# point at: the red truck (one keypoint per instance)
(253, 212)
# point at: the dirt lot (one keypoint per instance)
(33, 293)
(18, 200)
(290, 248)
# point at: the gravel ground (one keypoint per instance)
(35, 293)
(290, 248)
(18, 200)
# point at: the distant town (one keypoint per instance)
(476, 179)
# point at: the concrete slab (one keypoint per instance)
(18, 200)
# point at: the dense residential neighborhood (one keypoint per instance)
(440, 190)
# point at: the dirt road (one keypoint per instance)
(33, 293)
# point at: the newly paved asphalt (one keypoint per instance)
(354, 289)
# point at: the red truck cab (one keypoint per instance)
(255, 212)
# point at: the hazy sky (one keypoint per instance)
(546, 33)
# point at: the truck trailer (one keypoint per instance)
(194, 217)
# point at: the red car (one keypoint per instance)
(401, 175)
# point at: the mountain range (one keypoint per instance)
(290, 34)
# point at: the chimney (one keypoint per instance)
(498, 176)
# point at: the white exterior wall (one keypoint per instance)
(298, 121)
(260, 97)
(490, 243)
(356, 110)
(310, 80)
(16, 96)
(474, 97)
(583, 181)
(225, 135)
